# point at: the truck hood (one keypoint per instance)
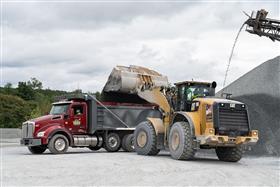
(46, 119)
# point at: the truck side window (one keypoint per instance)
(78, 110)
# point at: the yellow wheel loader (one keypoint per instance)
(192, 118)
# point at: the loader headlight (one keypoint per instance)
(211, 131)
(254, 133)
(41, 134)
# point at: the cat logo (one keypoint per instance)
(76, 122)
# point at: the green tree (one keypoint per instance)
(25, 91)
(35, 83)
(8, 88)
(13, 111)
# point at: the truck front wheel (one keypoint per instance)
(37, 149)
(229, 154)
(112, 142)
(58, 144)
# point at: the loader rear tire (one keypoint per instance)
(145, 139)
(180, 141)
(229, 154)
(128, 143)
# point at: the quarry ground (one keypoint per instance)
(83, 167)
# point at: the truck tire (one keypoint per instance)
(58, 144)
(37, 149)
(128, 143)
(95, 148)
(145, 139)
(180, 141)
(112, 142)
(229, 154)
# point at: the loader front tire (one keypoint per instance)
(145, 139)
(180, 141)
(229, 154)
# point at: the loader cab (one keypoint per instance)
(187, 91)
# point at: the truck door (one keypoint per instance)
(78, 120)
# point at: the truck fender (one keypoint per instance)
(57, 129)
(183, 116)
(157, 124)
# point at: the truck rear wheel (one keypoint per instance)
(58, 144)
(145, 139)
(112, 142)
(181, 141)
(37, 149)
(95, 148)
(128, 143)
(229, 154)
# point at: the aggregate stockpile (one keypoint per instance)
(195, 119)
(260, 90)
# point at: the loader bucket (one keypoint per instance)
(133, 79)
(137, 85)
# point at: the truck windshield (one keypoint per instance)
(59, 109)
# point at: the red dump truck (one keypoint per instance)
(86, 122)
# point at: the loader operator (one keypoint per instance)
(197, 92)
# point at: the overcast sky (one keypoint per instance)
(76, 44)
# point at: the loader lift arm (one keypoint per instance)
(263, 26)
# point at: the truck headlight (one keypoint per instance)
(41, 134)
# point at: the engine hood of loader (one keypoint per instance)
(212, 100)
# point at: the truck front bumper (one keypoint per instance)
(217, 140)
(30, 141)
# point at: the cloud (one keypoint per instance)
(70, 45)
(38, 16)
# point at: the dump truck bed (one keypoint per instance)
(120, 116)
(131, 115)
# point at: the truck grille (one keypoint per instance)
(231, 121)
(27, 130)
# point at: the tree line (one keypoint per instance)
(27, 101)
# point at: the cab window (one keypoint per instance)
(78, 110)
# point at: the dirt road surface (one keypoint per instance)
(83, 167)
